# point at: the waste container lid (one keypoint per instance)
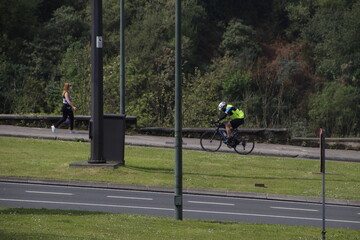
(114, 115)
(120, 116)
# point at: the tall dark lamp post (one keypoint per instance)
(178, 116)
(97, 148)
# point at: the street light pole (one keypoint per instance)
(178, 116)
(97, 147)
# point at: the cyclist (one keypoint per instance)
(236, 115)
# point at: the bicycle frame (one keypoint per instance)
(222, 133)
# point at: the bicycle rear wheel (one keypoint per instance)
(211, 141)
(245, 145)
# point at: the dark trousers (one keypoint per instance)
(235, 123)
(66, 112)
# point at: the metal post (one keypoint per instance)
(96, 83)
(178, 116)
(322, 154)
(122, 58)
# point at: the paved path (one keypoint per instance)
(265, 149)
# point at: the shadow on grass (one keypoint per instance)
(44, 236)
(171, 171)
(34, 211)
(151, 169)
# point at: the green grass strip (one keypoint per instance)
(201, 170)
(28, 224)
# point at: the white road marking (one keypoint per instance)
(214, 203)
(296, 209)
(82, 187)
(55, 193)
(135, 198)
(171, 209)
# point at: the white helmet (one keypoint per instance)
(221, 105)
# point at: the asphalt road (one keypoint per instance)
(162, 204)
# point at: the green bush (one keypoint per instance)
(336, 109)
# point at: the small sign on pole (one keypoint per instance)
(99, 42)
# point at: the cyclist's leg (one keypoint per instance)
(229, 130)
(235, 123)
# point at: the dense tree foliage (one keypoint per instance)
(293, 64)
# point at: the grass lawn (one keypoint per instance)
(201, 170)
(27, 224)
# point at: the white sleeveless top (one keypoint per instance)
(64, 99)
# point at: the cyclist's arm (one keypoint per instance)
(228, 112)
(222, 116)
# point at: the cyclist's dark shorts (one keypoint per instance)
(236, 122)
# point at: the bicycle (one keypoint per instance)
(211, 141)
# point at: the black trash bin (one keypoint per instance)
(114, 137)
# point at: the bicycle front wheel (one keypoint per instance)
(211, 141)
(245, 145)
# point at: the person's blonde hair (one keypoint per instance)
(66, 88)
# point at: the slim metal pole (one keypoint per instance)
(178, 116)
(122, 58)
(323, 208)
(96, 83)
(322, 153)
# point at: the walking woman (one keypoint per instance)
(67, 109)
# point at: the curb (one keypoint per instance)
(105, 185)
